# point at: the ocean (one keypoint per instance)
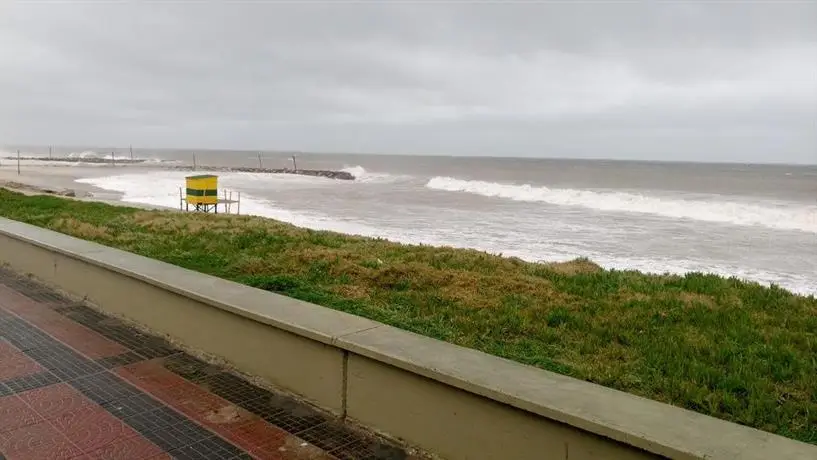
(756, 222)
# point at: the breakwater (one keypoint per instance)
(94, 160)
(338, 175)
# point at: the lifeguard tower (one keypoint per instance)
(202, 193)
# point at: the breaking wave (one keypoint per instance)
(361, 175)
(118, 156)
(779, 216)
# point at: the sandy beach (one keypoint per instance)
(59, 178)
(38, 177)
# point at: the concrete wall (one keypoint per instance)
(451, 401)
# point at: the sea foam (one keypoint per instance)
(720, 209)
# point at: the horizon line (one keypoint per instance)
(427, 155)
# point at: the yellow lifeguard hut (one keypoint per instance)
(202, 194)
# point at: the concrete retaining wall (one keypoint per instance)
(451, 401)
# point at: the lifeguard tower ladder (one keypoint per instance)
(202, 193)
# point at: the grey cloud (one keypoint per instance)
(693, 80)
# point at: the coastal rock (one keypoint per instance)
(338, 175)
(95, 160)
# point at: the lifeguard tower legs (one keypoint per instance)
(202, 193)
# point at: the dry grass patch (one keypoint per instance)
(574, 267)
(81, 229)
(693, 299)
(352, 291)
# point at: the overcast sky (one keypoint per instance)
(653, 80)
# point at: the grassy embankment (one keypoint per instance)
(734, 350)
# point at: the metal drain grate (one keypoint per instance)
(369, 450)
(145, 345)
(344, 443)
(232, 388)
(328, 436)
(30, 382)
(190, 368)
(32, 289)
(119, 360)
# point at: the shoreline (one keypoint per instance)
(45, 184)
(28, 189)
(671, 338)
(57, 180)
(62, 176)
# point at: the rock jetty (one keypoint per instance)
(96, 160)
(339, 175)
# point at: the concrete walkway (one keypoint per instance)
(75, 384)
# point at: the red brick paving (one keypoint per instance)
(150, 376)
(206, 408)
(14, 363)
(178, 393)
(55, 400)
(259, 436)
(39, 441)
(13, 301)
(92, 427)
(244, 429)
(75, 335)
(14, 413)
(291, 449)
(132, 448)
(80, 338)
(57, 421)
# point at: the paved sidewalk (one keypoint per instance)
(75, 384)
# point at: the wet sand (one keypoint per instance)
(60, 180)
